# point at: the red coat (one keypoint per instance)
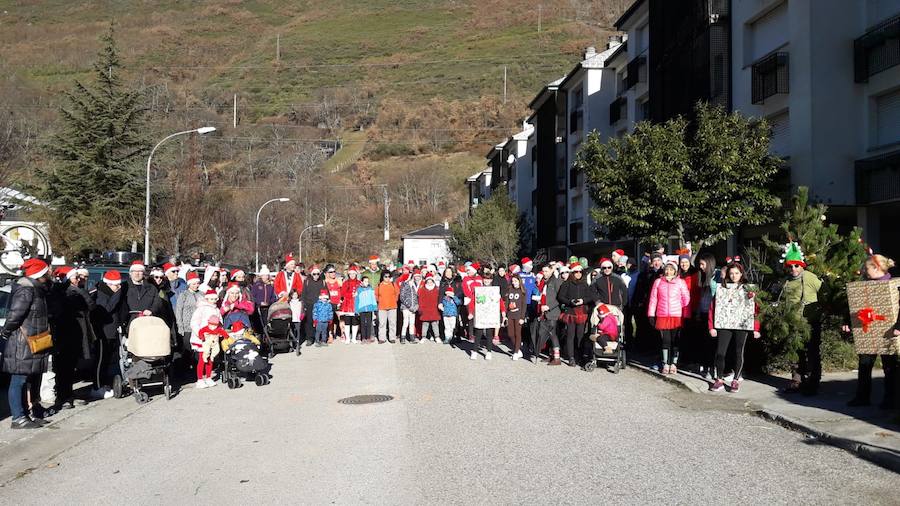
(281, 283)
(348, 290)
(428, 304)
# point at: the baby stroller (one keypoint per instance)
(277, 331)
(145, 358)
(614, 349)
(243, 360)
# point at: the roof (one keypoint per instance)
(11, 196)
(619, 51)
(432, 232)
(627, 14)
(544, 91)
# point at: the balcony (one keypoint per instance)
(770, 77)
(618, 110)
(877, 50)
(878, 179)
(636, 72)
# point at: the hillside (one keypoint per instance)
(398, 84)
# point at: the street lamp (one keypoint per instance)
(280, 199)
(201, 131)
(300, 240)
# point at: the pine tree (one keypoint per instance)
(94, 186)
(490, 234)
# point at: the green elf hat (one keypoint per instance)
(584, 262)
(573, 259)
(793, 255)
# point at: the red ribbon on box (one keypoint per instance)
(867, 316)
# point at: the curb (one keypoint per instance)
(671, 379)
(883, 457)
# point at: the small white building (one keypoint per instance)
(427, 245)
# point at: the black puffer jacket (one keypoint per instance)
(572, 290)
(142, 297)
(610, 290)
(73, 332)
(27, 316)
(310, 293)
(107, 315)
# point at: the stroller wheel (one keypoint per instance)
(260, 380)
(118, 387)
(268, 379)
(167, 389)
(141, 397)
(590, 366)
(232, 383)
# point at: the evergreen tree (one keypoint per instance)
(94, 186)
(490, 234)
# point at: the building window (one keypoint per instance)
(620, 83)
(575, 231)
(887, 119)
(576, 119)
(618, 110)
(533, 162)
(642, 111)
(770, 77)
(877, 50)
(636, 72)
(780, 134)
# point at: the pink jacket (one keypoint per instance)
(669, 299)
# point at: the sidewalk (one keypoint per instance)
(869, 432)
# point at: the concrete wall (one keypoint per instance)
(429, 251)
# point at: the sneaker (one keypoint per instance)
(473, 355)
(735, 386)
(665, 369)
(729, 378)
(210, 382)
(201, 384)
(515, 356)
(673, 369)
(718, 386)
(39, 421)
(708, 377)
(487, 356)
(23, 422)
(555, 361)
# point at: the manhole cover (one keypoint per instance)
(365, 399)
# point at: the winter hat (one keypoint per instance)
(684, 257)
(237, 326)
(374, 258)
(793, 255)
(288, 258)
(62, 272)
(449, 291)
(235, 272)
(264, 271)
(576, 267)
(564, 269)
(192, 276)
(137, 265)
(527, 260)
(605, 260)
(34, 268)
(619, 252)
(673, 263)
(323, 293)
(169, 267)
(156, 271)
(112, 277)
(233, 287)
(514, 269)
(214, 318)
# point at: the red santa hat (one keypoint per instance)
(449, 291)
(191, 276)
(476, 266)
(210, 291)
(527, 260)
(602, 309)
(137, 265)
(63, 272)
(354, 269)
(233, 287)
(113, 277)
(289, 258)
(575, 267)
(619, 252)
(237, 326)
(514, 269)
(34, 268)
(323, 293)
(441, 264)
(374, 258)
(605, 260)
(169, 267)
(461, 269)
(235, 272)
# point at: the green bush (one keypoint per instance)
(387, 150)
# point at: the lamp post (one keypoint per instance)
(201, 131)
(300, 240)
(280, 199)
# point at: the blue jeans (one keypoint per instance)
(16, 393)
(322, 332)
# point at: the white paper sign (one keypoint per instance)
(487, 307)
(734, 310)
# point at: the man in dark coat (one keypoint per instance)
(73, 336)
(141, 297)
(27, 316)
(645, 335)
(107, 316)
(308, 298)
(609, 287)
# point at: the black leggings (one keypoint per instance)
(487, 335)
(574, 333)
(670, 346)
(740, 339)
(545, 329)
(864, 383)
(365, 327)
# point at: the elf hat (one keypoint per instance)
(34, 268)
(112, 277)
(793, 255)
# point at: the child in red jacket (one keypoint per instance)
(207, 347)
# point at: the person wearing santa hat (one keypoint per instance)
(347, 307)
(176, 285)
(287, 279)
(73, 337)
(141, 297)
(240, 277)
(262, 293)
(409, 305)
(532, 296)
(106, 318)
(577, 299)
(27, 316)
(333, 285)
(184, 310)
(609, 288)
(429, 297)
(206, 346)
(207, 306)
(314, 284)
(235, 307)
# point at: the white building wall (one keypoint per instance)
(425, 251)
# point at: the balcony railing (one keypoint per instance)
(617, 110)
(877, 50)
(636, 72)
(770, 77)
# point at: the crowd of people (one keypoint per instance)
(557, 312)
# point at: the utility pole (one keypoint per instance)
(234, 122)
(277, 48)
(540, 14)
(504, 84)
(387, 222)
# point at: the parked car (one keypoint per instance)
(4, 302)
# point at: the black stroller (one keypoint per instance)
(277, 332)
(614, 351)
(243, 361)
(145, 359)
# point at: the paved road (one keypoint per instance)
(458, 432)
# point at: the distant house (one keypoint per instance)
(427, 245)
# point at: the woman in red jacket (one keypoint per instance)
(347, 308)
(669, 305)
(734, 280)
(429, 315)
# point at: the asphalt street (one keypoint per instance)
(456, 432)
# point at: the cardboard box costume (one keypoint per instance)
(873, 312)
